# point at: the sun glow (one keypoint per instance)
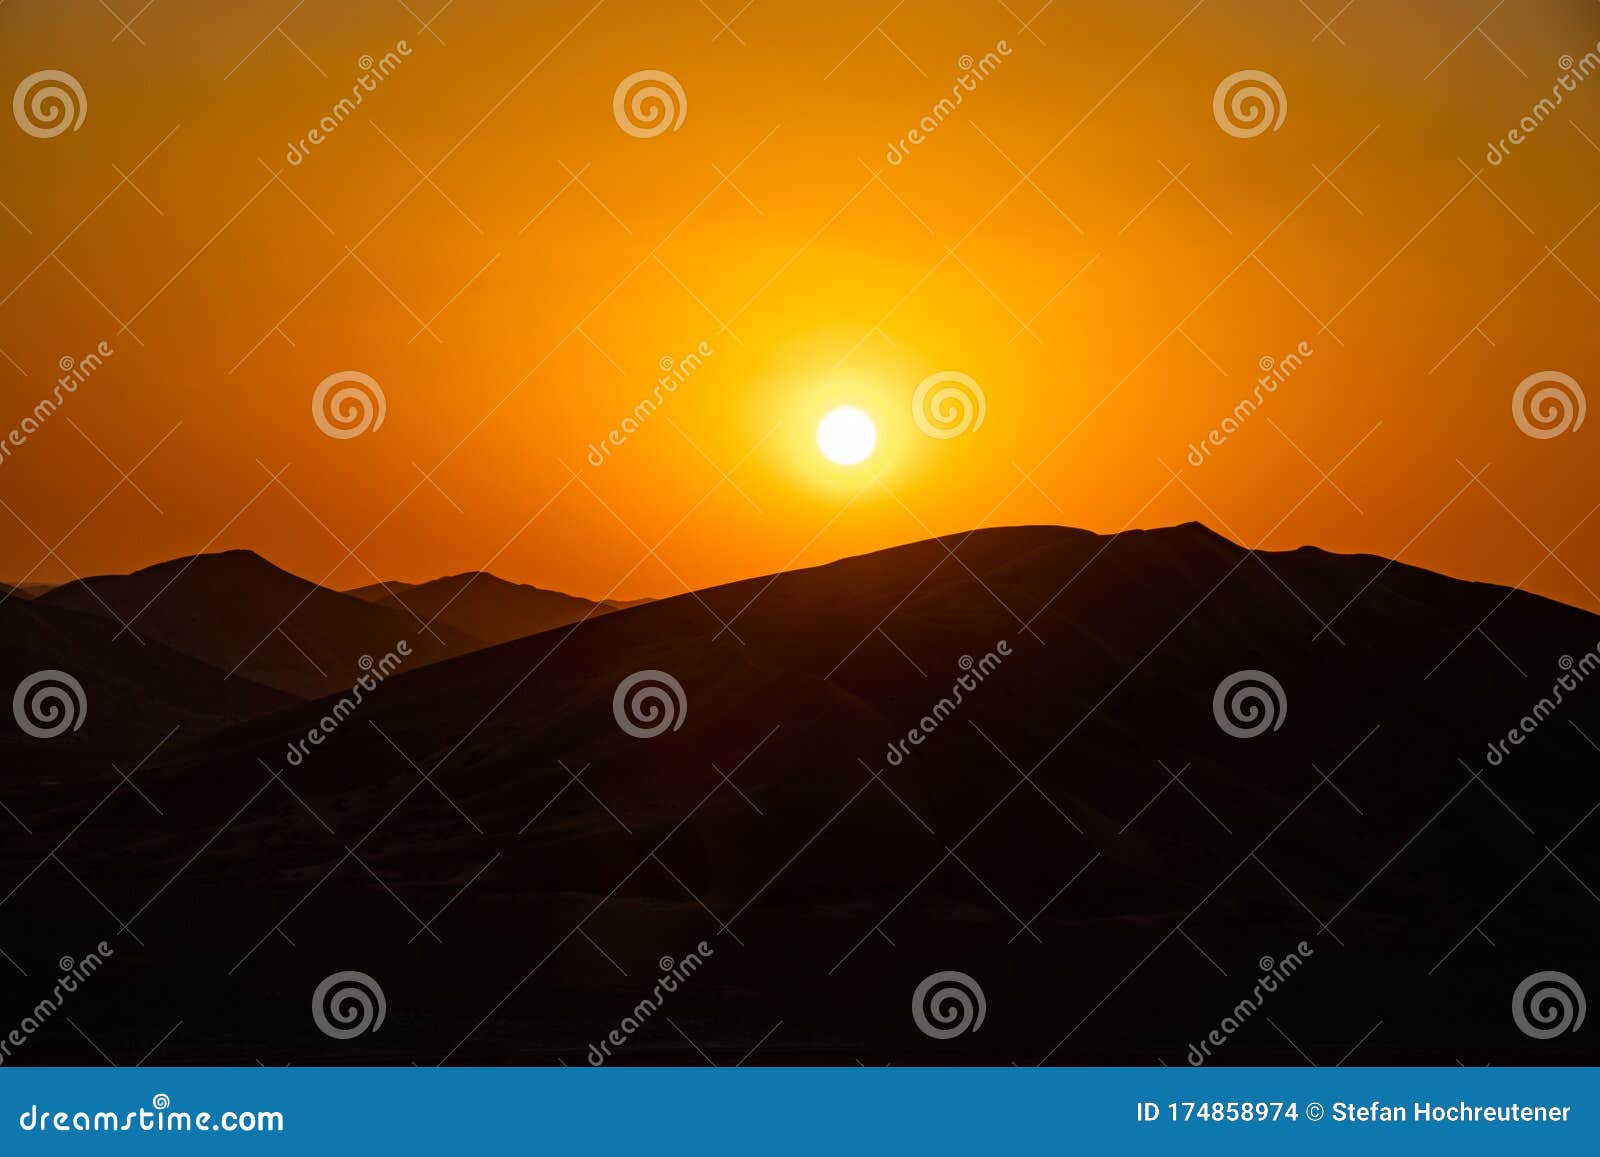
(846, 435)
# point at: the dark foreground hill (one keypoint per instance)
(1085, 834)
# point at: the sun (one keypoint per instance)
(846, 435)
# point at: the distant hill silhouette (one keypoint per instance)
(238, 612)
(1078, 834)
(485, 607)
(24, 590)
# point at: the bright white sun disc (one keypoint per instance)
(846, 435)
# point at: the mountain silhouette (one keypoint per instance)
(236, 611)
(23, 590)
(1113, 854)
(483, 606)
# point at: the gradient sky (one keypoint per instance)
(1079, 236)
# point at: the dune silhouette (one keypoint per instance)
(1093, 830)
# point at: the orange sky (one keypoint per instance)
(514, 305)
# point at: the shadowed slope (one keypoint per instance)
(1078, 833)
(134, 693)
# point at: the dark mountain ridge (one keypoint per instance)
(1074, 828)
(484, 606)
(238, 612)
